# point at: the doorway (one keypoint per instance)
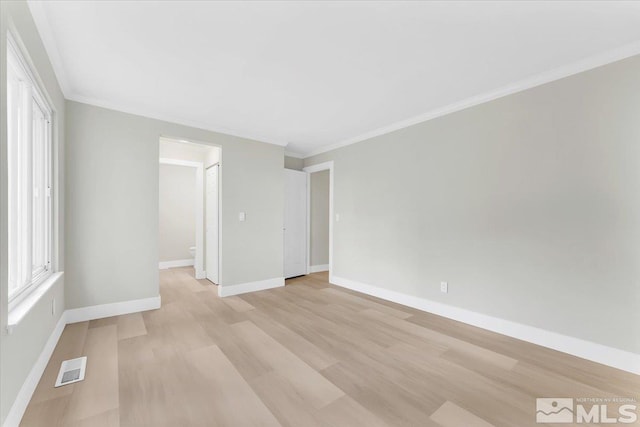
(319, 221)
(189, 204)
(320, 218)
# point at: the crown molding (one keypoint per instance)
(170, 119)
(585, 64)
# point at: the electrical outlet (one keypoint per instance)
(53, 306)
(444, 287)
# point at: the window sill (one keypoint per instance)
(17, 313)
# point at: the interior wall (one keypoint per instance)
(527, 206)
(20, 350)
(293, 163)
(112, 183)
(177, 212)
(319, 242)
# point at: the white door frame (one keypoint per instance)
(309, 170)
(199, 261)
(219, 221)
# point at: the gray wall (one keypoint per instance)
(293, 163)
(19, 351)
(529, 206)
(319, 252)
(177, 212)
(112, 183)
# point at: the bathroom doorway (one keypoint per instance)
(187, 237)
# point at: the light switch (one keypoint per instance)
(337, 217)
(242, 216)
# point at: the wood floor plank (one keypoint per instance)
(379, 395)
(98, 393)
(451, 415)
(238, 304)
(50, 412)
(109, 418)
(308, 382)
(131, 325)
(284, 401)
(346, 412)
(365, 303)
(458, 347)
(156, 393)
(232, 400)
(301, 347)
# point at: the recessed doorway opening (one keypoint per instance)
(189, 207)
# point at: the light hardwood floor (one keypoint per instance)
(308, 354)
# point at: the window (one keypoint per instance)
(29, 178)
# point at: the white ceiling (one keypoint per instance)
(315, 75)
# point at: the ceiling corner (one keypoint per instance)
(46, 35)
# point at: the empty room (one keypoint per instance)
(319, 213)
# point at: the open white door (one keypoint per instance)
(295, 223)
(212, 224)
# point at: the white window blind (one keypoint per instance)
(29, 137)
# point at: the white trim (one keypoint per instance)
(309, 170)
(21, 309)
(580, 66)
(32, 94)
(243, 288)
(178, 162)
(308, 260)
(31, 382)
(114, 309)
(318, 268)
(219, 225)
(163, 265)
(199, 260)
(595, 352)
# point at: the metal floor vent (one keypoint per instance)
(71, 371)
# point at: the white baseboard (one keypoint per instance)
(176, 263)
(243, 288)
(29, 386)
(318, 268)
(595, 352)
(108, 310)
